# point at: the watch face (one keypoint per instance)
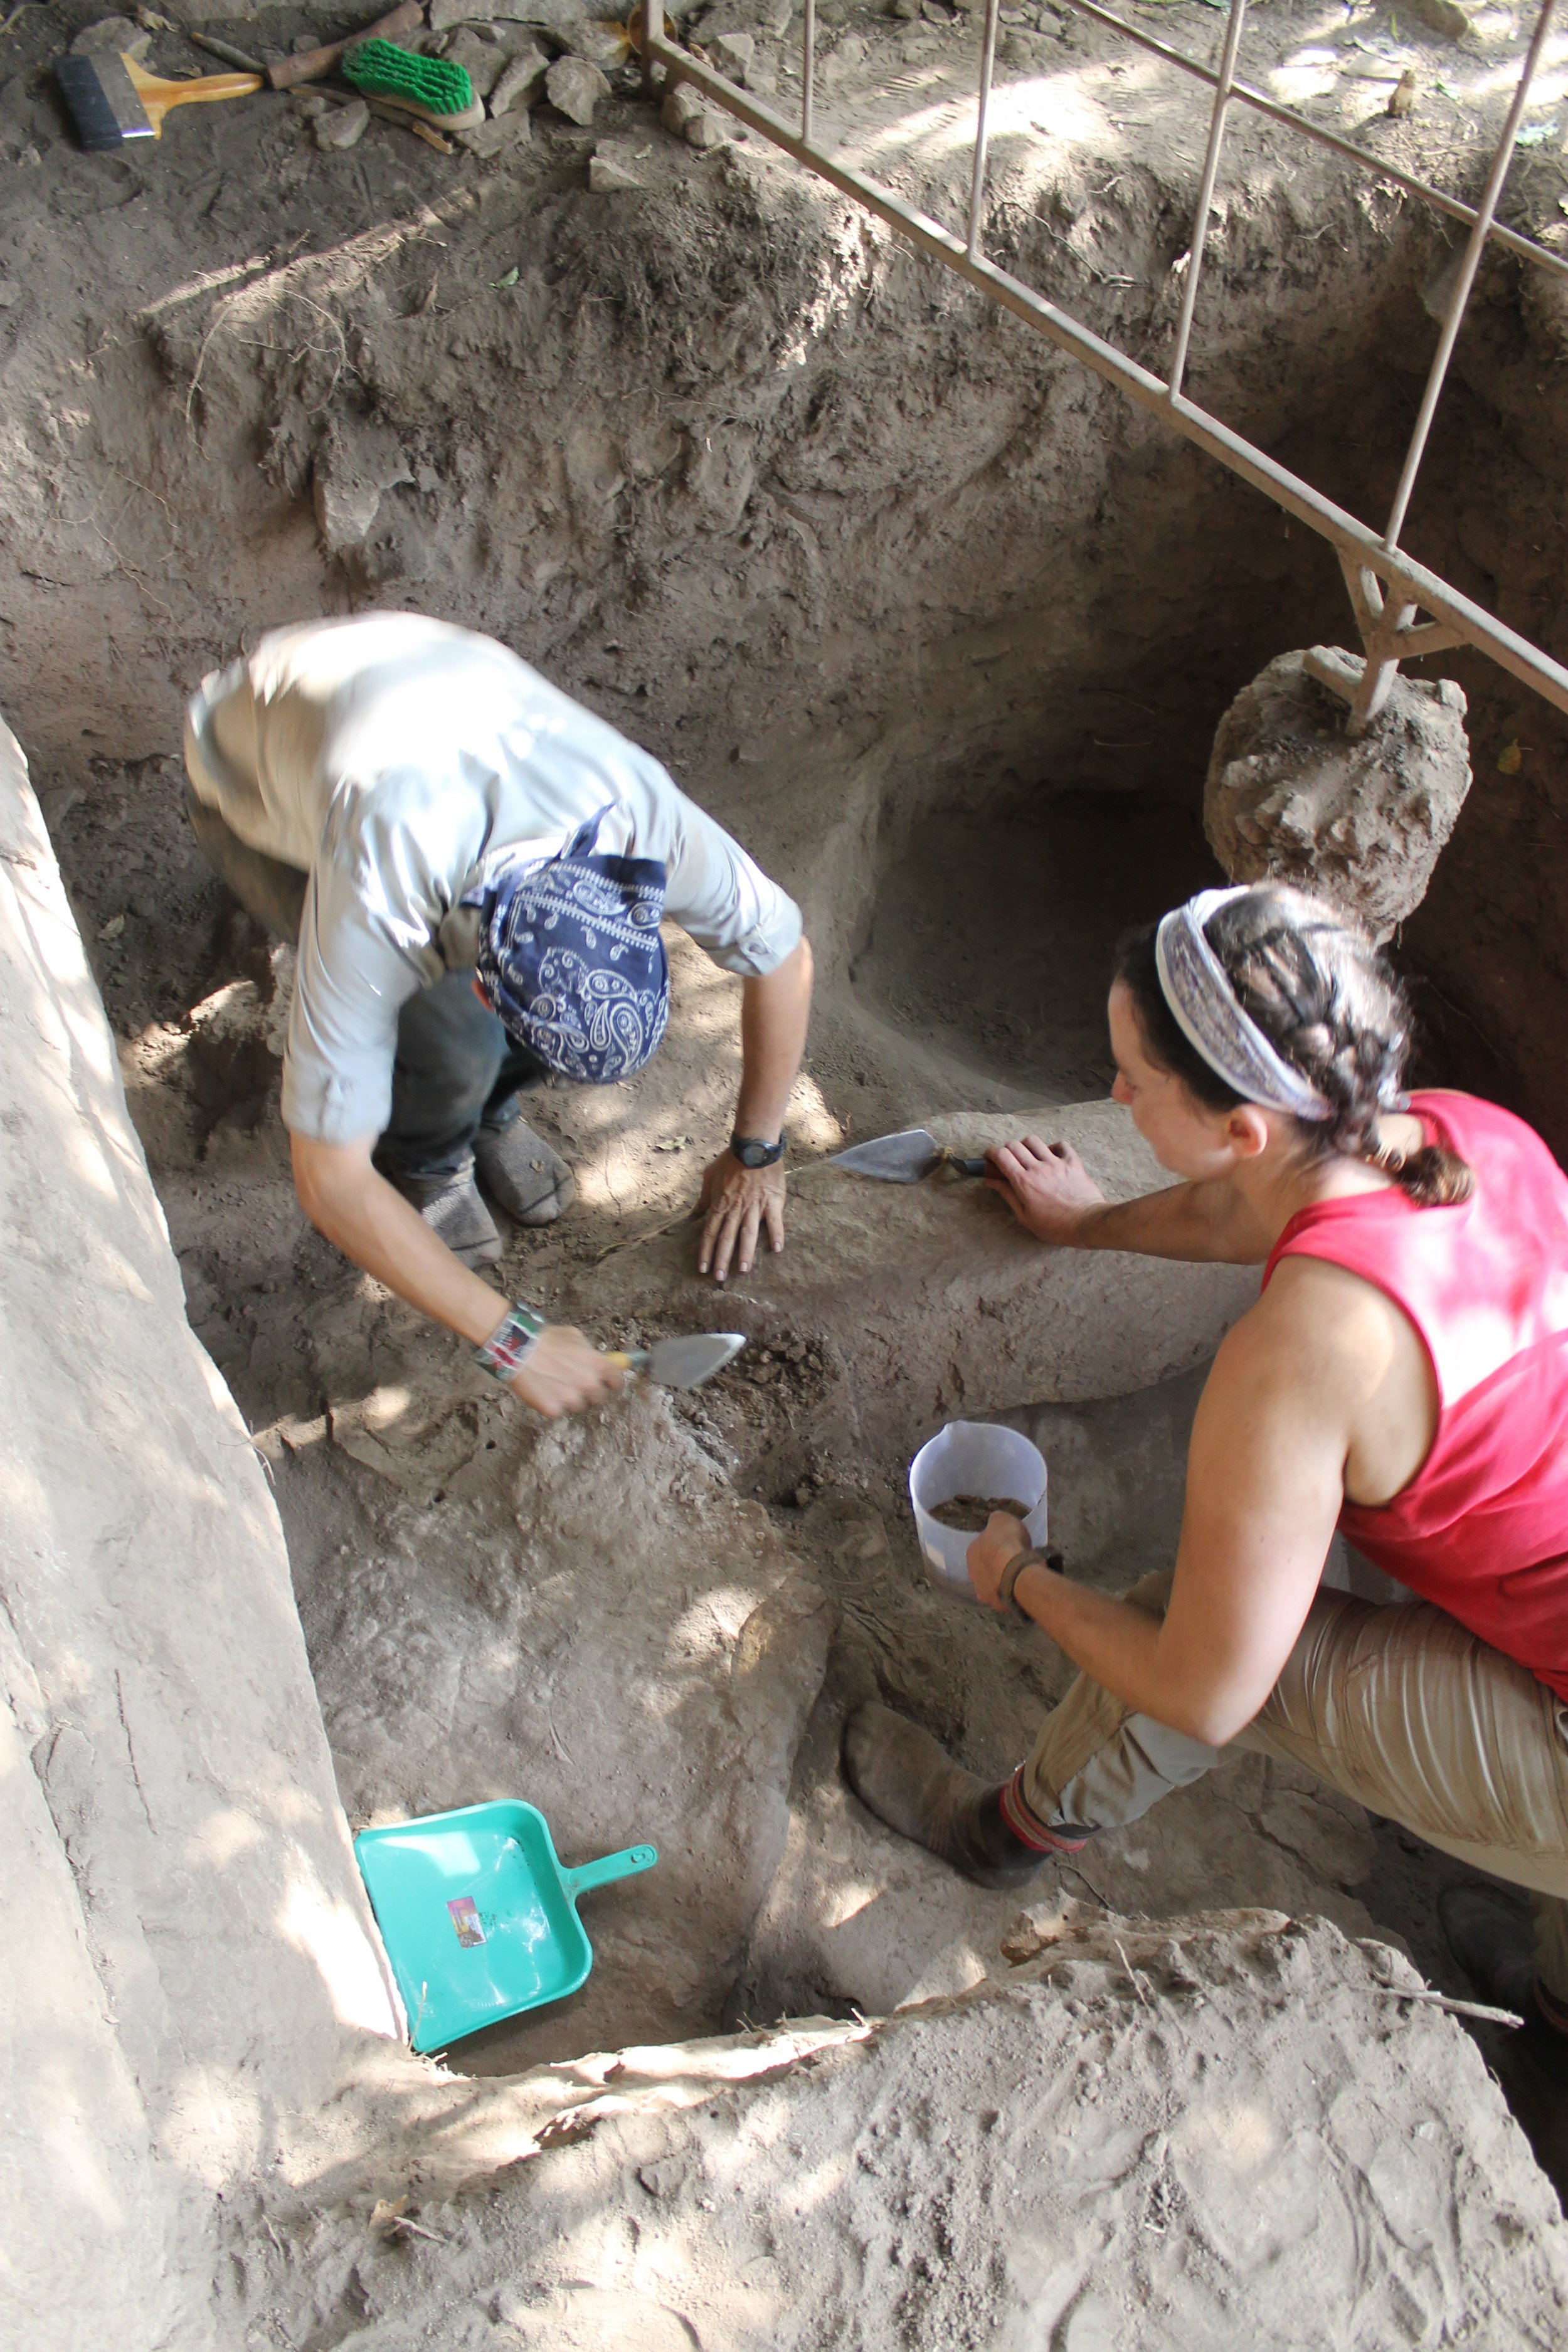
(754, 1154)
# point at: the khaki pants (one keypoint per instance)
(1398, 1707)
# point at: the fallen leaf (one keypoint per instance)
(509, 280)
(1510, 759)
(112, 928)
(674, 1143)
(387, 2210)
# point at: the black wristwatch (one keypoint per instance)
(751, 1152)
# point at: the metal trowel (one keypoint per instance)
(684, 1363)
(904, 1159)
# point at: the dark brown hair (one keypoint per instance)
(1327, 1003)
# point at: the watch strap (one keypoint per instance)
(511, 1343)
(1036, 1556)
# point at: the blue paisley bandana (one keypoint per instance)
(570, 958)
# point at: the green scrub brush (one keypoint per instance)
(431, 88)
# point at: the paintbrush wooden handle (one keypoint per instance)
(158, 96)
(316, 62)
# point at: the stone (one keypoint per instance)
(682, 106)
(574, 88)
(484, 61)
(348, 473)
(607, 178)
(907, 10)
(521, 82)
(1290, 797)
(309, 102)
(604, 46)
(341, 126)
(112, 36)
(734, 54)
(1443, 16)
(706, 131)
(498, 138)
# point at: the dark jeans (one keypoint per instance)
(457, 1071)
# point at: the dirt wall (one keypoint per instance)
(189, 1958)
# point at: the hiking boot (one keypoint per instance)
(1495, 1946)
(901, 1774)
(522, 1174)
(454, 1212)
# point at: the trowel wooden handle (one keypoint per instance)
(961, 1167)
(316, 62)
(625, 1363)
(158, 96)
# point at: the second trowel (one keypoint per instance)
(904, 1159)
(684, 1363)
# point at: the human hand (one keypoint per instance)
(564, 1372)
(1046, 1185)
(1004, 1539)
(736, 1204)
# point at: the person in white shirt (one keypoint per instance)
(475, 868)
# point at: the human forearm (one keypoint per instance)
(775, 1011)
(359, 1211)
(1053, 1195)
(1182, 1221)
(1115, 1644)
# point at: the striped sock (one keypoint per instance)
(1027, 1825)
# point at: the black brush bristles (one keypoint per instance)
(102, 101)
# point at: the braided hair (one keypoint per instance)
(1330, 1005)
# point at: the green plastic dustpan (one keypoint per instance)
(479, 1918)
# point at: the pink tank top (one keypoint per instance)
(1482, 1528)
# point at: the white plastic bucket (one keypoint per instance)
(972, 1457)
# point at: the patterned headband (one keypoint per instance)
(1197, 989)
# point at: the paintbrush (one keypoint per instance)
(112, 100)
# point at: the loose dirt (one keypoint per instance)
(969, 1513)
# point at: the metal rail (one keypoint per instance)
(1387, 588)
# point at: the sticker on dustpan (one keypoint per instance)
(466, 1919)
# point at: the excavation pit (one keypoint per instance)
(943, 633)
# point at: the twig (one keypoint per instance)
(1456, 2008)
(402, 2223)
(683, 1217)
(20, 11)
(1133, 1977)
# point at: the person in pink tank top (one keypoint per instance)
(1402, 1377)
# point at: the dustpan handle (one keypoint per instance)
(610, 1866)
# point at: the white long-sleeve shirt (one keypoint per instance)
(392, 758)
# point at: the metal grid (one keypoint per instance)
(1388, 590)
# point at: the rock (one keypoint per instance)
(1443, 17)
(706, 131)
(522, 80)
(607, 178)
(111, 37)
(574, 88)
(492, 138)
(1292, 798)
(601, 45)
(484, 61)
(907, 10)
(348, 473)
(734, 54)
(682, 107)
(309, 102)
(343, 126)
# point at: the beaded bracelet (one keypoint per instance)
(513, 1343)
